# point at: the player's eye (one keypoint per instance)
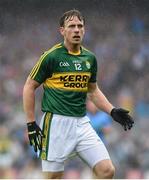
(72, 26)
(80, 26)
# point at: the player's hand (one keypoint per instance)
(121, 116)
(35, 135)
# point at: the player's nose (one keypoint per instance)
(76, 29)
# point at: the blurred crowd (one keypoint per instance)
(121, 45)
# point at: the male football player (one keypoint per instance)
(68, 74)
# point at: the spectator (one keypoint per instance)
(99, 120)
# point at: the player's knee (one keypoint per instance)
(53, 175)
(105, 171)
(109, 172)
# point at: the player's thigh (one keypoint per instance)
(52, 169)
(94, 155)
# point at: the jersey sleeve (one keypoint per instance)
(93, 71)
(42, 69)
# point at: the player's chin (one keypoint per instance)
(75, 42)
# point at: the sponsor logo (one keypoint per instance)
(75, 81)
(63, 64)
(77, 61)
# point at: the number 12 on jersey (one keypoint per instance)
(78, 66)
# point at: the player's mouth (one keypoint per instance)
(76, 37)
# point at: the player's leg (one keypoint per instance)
(91, 149)
(59, 130)
(52, 170)
(98, 159)
(104, 169)
(53, 175)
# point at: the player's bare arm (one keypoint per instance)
(34, 132)
(99, 99)
(118, 114)
(29, 98)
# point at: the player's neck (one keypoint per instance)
(72, 48)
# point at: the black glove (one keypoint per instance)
(35, 135)
(121, 116)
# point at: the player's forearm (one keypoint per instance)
(29, 103)
(101, 101)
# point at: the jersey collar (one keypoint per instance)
(73, 53)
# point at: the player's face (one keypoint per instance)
(73, 30)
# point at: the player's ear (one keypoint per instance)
(83, 31)
(61, 31)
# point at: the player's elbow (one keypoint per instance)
(30, 84)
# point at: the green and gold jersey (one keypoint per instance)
(65, 79)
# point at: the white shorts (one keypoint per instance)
(65, 136)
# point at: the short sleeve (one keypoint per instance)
(42, 69)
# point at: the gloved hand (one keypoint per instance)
(35, 135)
(121, 116)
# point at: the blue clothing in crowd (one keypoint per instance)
(99, 121)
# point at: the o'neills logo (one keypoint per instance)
(75, 81)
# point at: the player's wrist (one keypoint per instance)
(31, 126)
(31, 122)
(113, 111)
